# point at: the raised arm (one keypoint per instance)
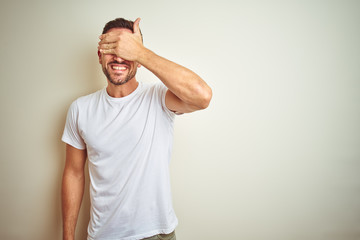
(187, 91)
(72, 189)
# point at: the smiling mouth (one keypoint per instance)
(117, 66)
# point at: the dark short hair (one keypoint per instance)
(119, 23)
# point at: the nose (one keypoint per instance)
(119, 59)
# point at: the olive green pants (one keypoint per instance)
(170, 236)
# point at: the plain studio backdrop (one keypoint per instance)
(276, 156)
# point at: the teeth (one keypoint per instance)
(118, 68)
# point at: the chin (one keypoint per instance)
(118, 82)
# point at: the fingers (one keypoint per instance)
(107, 48)
(136, 27)
(107, 51)
(107, 45)
(108, 38)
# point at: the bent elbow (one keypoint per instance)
(205, 98)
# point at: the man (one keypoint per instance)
(125, 130)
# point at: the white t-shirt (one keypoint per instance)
(129, 142)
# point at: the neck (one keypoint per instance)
(119, 91)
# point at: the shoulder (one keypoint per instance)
(84, 102)
(91, 96)
(157, 92)
(154, 88)
(87, 99)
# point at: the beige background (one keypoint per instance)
(275, 157)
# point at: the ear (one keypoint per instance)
(138, 65)
(99, 54)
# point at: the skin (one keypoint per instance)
(127, 69)
(72, 189)
(123, 48)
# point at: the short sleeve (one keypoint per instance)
(162, 90)
(71, 133)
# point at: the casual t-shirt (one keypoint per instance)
(129, 142)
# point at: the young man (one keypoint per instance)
(126, 131)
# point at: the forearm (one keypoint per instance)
(183, 82)
(72, 193)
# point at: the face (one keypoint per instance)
(117, 70)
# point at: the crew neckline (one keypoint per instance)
(122, 99)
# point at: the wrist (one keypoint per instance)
(68, 235)
(144, 55)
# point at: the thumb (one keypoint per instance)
(136, 27)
